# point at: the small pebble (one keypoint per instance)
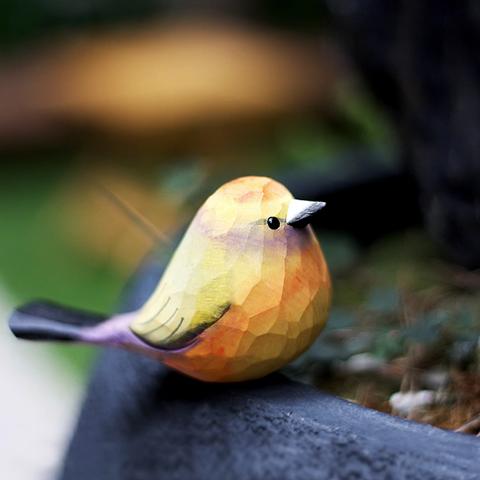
(362, 363)
(405, 402)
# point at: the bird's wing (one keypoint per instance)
(194, 293)
(172, 319)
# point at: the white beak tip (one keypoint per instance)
(300, 211)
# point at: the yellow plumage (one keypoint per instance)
(231, 271)
(215, 265)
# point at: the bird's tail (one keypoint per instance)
(41, 320)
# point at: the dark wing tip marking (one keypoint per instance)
(176, 329)
(190, 335)
(187, 338)
(162, 324)
(155, 315)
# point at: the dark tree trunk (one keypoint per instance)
(421, 60)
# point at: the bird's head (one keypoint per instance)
(253, 225)
(255, 208)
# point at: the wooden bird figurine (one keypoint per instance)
(246, 291)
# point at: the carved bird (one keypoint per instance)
(246, 291)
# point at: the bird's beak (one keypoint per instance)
(300, 212)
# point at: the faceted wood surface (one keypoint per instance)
(238, 298)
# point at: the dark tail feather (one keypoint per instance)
(40, 320)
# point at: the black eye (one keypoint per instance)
(273, 222)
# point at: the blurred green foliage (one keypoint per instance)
(36, 260)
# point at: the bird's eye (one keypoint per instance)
(273, 222)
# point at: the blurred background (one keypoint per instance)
(371, 106)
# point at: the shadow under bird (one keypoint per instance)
(246, 291)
